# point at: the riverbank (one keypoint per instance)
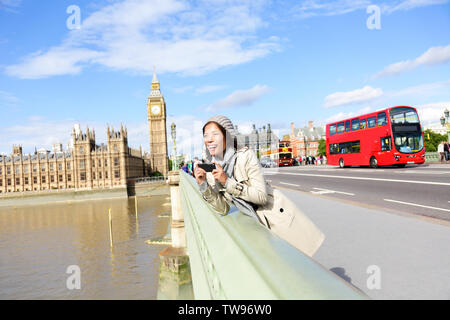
(69, 196)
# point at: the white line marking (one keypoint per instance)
(364, 178)
(324, 191)
(417, 205)
(290, 184)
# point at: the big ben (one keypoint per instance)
(156, 111)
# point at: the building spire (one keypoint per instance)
(155, 79)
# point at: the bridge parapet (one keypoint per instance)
(234, 257)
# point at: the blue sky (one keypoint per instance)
(256, 61)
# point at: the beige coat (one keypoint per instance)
(283, 217)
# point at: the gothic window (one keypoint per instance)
(106, 174)
(93, 164)
(60, 166)
(51, 167)
(52, 178)
(0, 170)
(18, 181)
(116, 162)
(115, 147)
(17, 170)
(100, 175)
(60, 178)
(9, 182)
(34, 179)
(81, 149)
(26, 180)
(99, 163)
(1, 183)
(116, 174)
(25, 168)
(68, 165)
(43, 179)
(8, 170)
(106, 162)
(83, 176)
(69, 177)
(43, 167)
(82, 164)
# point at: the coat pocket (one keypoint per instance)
(278, 212)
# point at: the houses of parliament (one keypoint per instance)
(86, 165)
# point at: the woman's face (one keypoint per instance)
(214, 140)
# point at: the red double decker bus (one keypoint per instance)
(387, 137)
(282, 155)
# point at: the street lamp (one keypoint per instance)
(445, 123)
(173, 128)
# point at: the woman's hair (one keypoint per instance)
(229, 139)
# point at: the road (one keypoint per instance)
(418, 190)
(407, 249)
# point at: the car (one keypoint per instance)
(266, 162)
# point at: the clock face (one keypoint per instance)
(156, 109)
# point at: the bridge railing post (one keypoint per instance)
(175, 280)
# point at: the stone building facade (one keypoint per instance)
(258, 140)
(305, 141)
(86, 166)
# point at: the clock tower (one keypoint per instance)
(156, 111)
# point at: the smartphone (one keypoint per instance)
(208, 167)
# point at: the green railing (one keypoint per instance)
(233, 257)
(432, 157)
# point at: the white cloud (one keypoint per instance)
(433, 56)
(346, 115)
(351, 97)
(174, 35)
(7, 99)
(239, 98)
(209, 88)
(422, 90)
(432, 112)
(10, 5)
(313, 8)
(409, 4)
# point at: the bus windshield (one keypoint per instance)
(285, 155)
(402, 115)
(406, 130)
(408, 142)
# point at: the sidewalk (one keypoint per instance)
(411, 253)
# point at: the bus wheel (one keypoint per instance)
(341, 163)
(401, 165)
(373, 162)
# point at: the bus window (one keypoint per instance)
(371, 122)
(341, 127)
(382, 119)
(355, 124)
(363, 124)
(386, 144)
(356, 148)
(332, 129)
(347, 125)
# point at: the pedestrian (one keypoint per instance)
(441, 151)
(190, 167)
(238, 180)
(447, 151)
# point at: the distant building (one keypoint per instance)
(305, 141)
(85, 166)
(436, 128)
(258, 140)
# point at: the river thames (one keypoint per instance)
(39, 243)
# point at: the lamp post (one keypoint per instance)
(445, 123)
(173, 130)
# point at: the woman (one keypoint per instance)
(238, 179)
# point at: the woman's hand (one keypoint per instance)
(200, 175)
(219, 174)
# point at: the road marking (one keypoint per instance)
(325, 191)
(423, 172)
(290, 184)
(417, 205)
(365, 178)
